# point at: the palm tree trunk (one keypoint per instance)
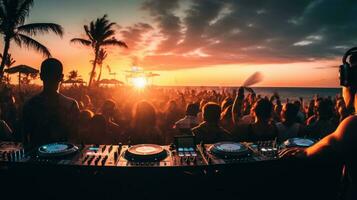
(19, 81)
(100, 72)
(94, 66)
(5, 53)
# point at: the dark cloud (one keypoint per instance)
(197, 20)
(169, 23)
(252, 31)
(133, 35)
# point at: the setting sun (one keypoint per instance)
(139, 82)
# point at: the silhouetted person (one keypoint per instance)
(262, 128)
(50, 116)
(289, 128)
(144, 128)
(341, 109)
(226, 119)
(110, 111)
(84, 128)
(190, 120)
(99, 131)
(113, 118)
(209, 131)
(324, 122)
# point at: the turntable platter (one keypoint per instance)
(229, 149)
(298, 142)
(57, 149)
(146, 152)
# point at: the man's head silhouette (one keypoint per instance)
(51, 73)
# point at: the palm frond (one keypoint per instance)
(109, 26)
(10, 11)
(108, 34)
(81, 41)
(88, 33)
(9, 60)
(114, 42)
(2, 11)
(102, 55)
(31, 43)
(35, 28)
(23, 10)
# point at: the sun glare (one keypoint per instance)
(139, 82)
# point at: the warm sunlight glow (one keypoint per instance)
(139, 82)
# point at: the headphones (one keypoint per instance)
(348, 73)
(348, 53)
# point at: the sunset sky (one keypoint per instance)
(207, 42)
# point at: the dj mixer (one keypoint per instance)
(204, 170)
(183, 153)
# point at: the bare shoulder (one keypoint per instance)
(349, 122)
(346, 130)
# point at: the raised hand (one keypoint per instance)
(241, 93)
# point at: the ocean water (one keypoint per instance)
(293, 93)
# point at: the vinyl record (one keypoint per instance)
(145, 153)
(57, 149)
(298, 142)
(229, 150)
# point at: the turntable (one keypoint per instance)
(227, 150)
(298, 142)
(145, 153)
(57, 150)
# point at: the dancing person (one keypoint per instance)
(226, 119)
(84, 129)
(289, 128)
(262, 128)
(209, 131)
(190, 120)
(324, 121)
(144, 128)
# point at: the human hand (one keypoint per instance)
(296, 152)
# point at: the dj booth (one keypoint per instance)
(147, 171)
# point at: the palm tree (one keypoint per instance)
(12, 25)
(73, 75)
(99, 33)
(102, 55)
(9, 60)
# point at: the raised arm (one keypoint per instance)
(237, 105)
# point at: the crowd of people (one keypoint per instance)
(157, 114)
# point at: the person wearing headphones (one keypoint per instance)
(340, 145)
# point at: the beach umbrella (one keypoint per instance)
(21, 69)
(150, 74)
(110, 82)
(73, 81)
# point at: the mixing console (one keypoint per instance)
(144, 155)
